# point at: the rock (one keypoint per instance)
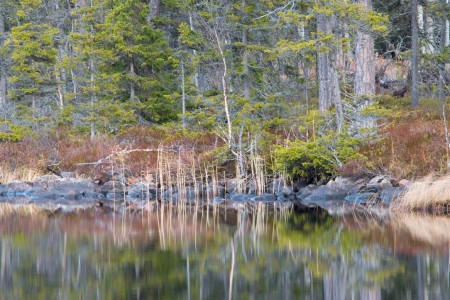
(46, 182)
(305, 192)
(75, 185)
(214, 191)
(187, 195)
(404, 183)
(235, 185)
(362, 198)
(69, 189)
(111, 187)
(102, 178)
(279, 185)
(385, 184)
(376, 184)
(387, 195)
(17, 188)
(168, 194)
(138, 190)
(343, 181)
(354, 187)
(67, 174)
(298, 185)
(252, 187)
(377, 179)
(152, 187)
(331, 191)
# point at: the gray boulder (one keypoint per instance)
(362, 198)
(17, 188)
(186, 195)
(305, 192)
(111, 187)
(388, 194)
(376, 184)
(214, 191)
(233, 185)
(138, 190)
(46, 182)
(331, 191)
(279, 185)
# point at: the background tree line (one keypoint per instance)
(312, 70)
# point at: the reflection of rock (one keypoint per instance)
(17, 188)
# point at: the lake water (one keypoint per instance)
(187, 256)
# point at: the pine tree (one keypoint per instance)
(34, 54)
(139, 64)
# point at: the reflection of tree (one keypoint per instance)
(308, 256)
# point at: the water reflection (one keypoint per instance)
(187, 256)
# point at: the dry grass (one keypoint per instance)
(23, 174)
(427, 193)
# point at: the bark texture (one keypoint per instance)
(328, 79)
(365, 60)
(414, 54)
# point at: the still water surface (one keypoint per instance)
(100, 256)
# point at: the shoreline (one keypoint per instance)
(340, 196)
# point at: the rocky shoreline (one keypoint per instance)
(339, 196)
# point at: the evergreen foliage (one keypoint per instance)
(251, 72)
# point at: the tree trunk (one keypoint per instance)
(447, 37)
(225, 93)
(364, 76)
(60, 80)
(3, 76)
(365, 60)
(92, 85)
(414, 54)
(132, 87)
(329, 92)
(92, 97)
(194, 52)
(245, 75)
(323, 64)
(441, 86)
(183, 96)
(153, 9)
(425, 25)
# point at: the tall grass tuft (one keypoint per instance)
(8, 174)
(427, 193)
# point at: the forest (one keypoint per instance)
(310, 89)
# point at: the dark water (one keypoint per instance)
(94, 256)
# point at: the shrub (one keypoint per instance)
(13, 133)
(319, 158)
